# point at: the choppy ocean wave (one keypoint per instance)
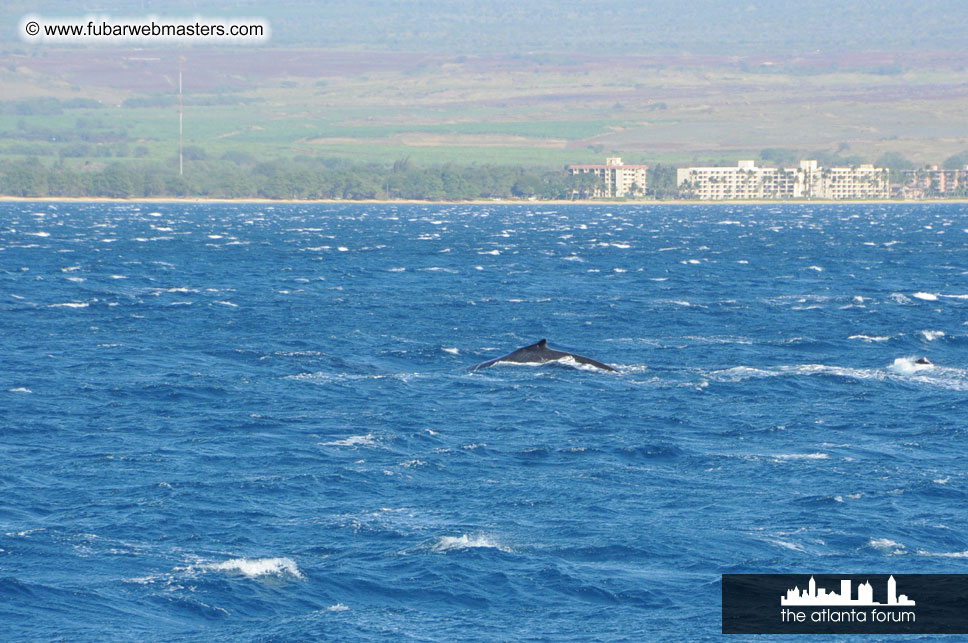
(254, 422)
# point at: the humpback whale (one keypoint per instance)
(924, 361)
(539, 354)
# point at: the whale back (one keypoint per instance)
(539, 353)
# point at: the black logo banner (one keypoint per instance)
(845, 603)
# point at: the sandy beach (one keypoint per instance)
(65, 199)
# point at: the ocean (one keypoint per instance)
(255, 422)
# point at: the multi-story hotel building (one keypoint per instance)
(933, 180)
(746, 181)
(617, 178)
(862, 182)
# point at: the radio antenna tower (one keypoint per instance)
(181, 138)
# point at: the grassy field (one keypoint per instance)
(541, 111)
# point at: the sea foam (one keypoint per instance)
(352, 441)
(908, 366)
(480, 541)
(257, 567)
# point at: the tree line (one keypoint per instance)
(288, 179)
(238, 175)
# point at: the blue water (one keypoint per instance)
(253, 422)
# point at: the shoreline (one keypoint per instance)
(261, 201)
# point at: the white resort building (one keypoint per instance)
(746, 181)
(616, 178)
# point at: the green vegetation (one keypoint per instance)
(957, 161)
(238, 176)
(91, 122)
(536, 111)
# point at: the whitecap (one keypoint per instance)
(908, 365)
(452, 351)
(26, 533)
(20, 389)
(932, 335)
(839, 371)
(800, 456)
(886, 546)
(70, 304)
(339, 607)
(256, 567)
(786, 545)
(925, 296)
(227, 303)
(945, 554)
(352, 441)
(869, 338)
(739, 373)
(450, 543)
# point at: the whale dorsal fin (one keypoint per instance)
(539, 353)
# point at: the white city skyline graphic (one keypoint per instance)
(813, 595)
